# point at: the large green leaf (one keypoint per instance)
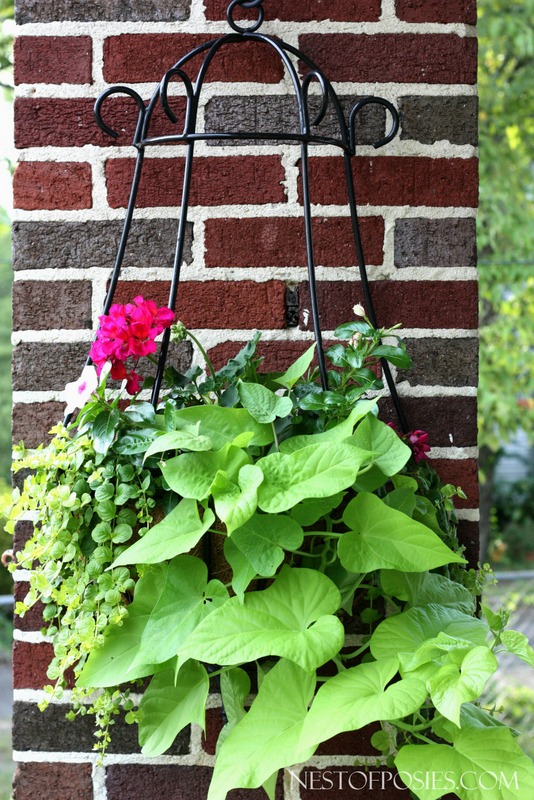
(451, 685)
(480, 765)
(111, 664)
(384, 538)
(268, 737)
(177, 533)
(435, 652)
(104, 428)
(242, 570)
(234, 503)
(517, 643)
(262, 404)
(391, 454)
(264, 537)
(405, 632)
(183, 600)
(169, 704)
(421, 588)
(224, 425)
(297, 369)
(338, 433)
(292, 618)
(355, 697)
(310, 511)
(192, 474)
(187, 438)
(319, 470)
(235, 688)
(471, 716)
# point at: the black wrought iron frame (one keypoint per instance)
(346, 142)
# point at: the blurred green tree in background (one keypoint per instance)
(505, 233)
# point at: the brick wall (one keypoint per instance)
(245, 259)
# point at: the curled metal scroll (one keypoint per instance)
(320, 78)
(120, 90)
(365, 101)
(258, 4)
(163, 93)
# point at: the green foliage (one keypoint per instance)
(312, 514)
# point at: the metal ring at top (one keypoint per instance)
(245, 4)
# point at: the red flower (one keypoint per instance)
(129, 331)
(418, 441)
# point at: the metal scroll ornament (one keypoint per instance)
(306, 133)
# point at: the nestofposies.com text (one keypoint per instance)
(379, 780)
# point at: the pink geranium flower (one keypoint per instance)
(129, 331)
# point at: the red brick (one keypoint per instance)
(338, 10)
(217, 304)
(23, 533)
(462, 473)
(280, 242)
(53, 781)
(30, 662)
(140, 58)
(398, 181)
(437, 11)
(416, 304)
(52, 185)
(53, 59)
(385, 57)
(449, 421)
(351, 743)
(61, 304)
(277, 356)
(347, 783)
(214, 725)
(55, 122)
(217, 181)
(33, 619)
(469, 536)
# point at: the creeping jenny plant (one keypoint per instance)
(249, 531)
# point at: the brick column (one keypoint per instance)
(245, 259)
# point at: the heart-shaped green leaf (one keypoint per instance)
(451, 686)
(192, 474)
(177, 533)
(292, 619)
(263, 538)
(390, 452)
(235, 504)
(262, 404)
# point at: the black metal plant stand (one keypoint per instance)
(346, 142)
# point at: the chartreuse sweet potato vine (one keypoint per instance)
(240, 529)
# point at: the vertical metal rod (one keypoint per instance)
(178, 258)
(310, 255)
(368, 301)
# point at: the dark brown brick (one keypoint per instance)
(32, 421)
(55, 122)
(346, 783)
(43, 305)
(220, 181)
(351, 743)
(33, 619)
(41, 366)
(437, 11)
(219, 304)
(402, 57)
(23, 532)
(52, 185)
(434, 119)
(49, 731)
(53, 59)
(68, 245)
(277, 356)
(442, 362)
(267, 113)
(449, 421)
(338, 10)
(53, 781)
(421, 242)
(122, 10)
(416, 304)
(397, 181)
(280, 242)
(140, 58)
(171, 782)
(469, 536)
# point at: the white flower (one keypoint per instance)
(359, 310)
(79, 392)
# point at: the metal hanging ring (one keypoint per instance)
(245, 4)
(377, 101)
(118, 90)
